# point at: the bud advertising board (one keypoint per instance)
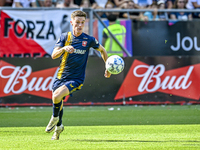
(145, 80)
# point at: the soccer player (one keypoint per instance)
(72, 48)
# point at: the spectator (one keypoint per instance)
(110, 5)
(180, 4)
(101, 3)
(67, 3)
(169, 4)
(120, 3)
(152, 16)
(24, 3)
(194, 4)
(143, 3)
(92, 3)
(6, 3)
(85, 4)
(132, 15)
(162, 15)
(54, 2)
(2, 2)
(41, 3)
(118, 31)
(48, 3)
(101, 14)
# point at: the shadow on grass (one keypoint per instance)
(143, 141)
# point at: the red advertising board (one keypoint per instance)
(145, 80)
(31, 32)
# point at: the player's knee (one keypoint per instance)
(56, 98)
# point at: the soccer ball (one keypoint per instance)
(115, 64)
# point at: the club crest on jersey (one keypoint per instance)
(84, 43)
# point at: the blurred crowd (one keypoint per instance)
(154, 5)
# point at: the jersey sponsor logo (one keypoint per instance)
(79, 51)
(84, 43)
(75, 40)
(143, 79)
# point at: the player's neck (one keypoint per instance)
(77, 33)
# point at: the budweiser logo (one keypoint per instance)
(143, 78)
(18, 80)
(154, 73)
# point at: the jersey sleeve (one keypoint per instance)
(94, 43)
(61, 41)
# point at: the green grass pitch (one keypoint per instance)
(103, 127)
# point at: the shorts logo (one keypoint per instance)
(84, 43)
(71, 86)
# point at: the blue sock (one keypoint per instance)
(60, 118)
(56, 109)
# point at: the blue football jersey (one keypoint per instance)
(72, 66)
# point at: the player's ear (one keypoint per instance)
(71, 22)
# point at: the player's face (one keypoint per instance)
(78, 24)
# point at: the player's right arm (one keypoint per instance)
(60, 47)
(58, 51)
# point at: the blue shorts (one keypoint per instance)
(72, 84)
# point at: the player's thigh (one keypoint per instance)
(59, 93)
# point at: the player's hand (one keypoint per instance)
(69, 49)
(107, 74)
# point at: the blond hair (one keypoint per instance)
(78, 13)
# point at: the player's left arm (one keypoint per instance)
(104, 55)
(103, 52)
